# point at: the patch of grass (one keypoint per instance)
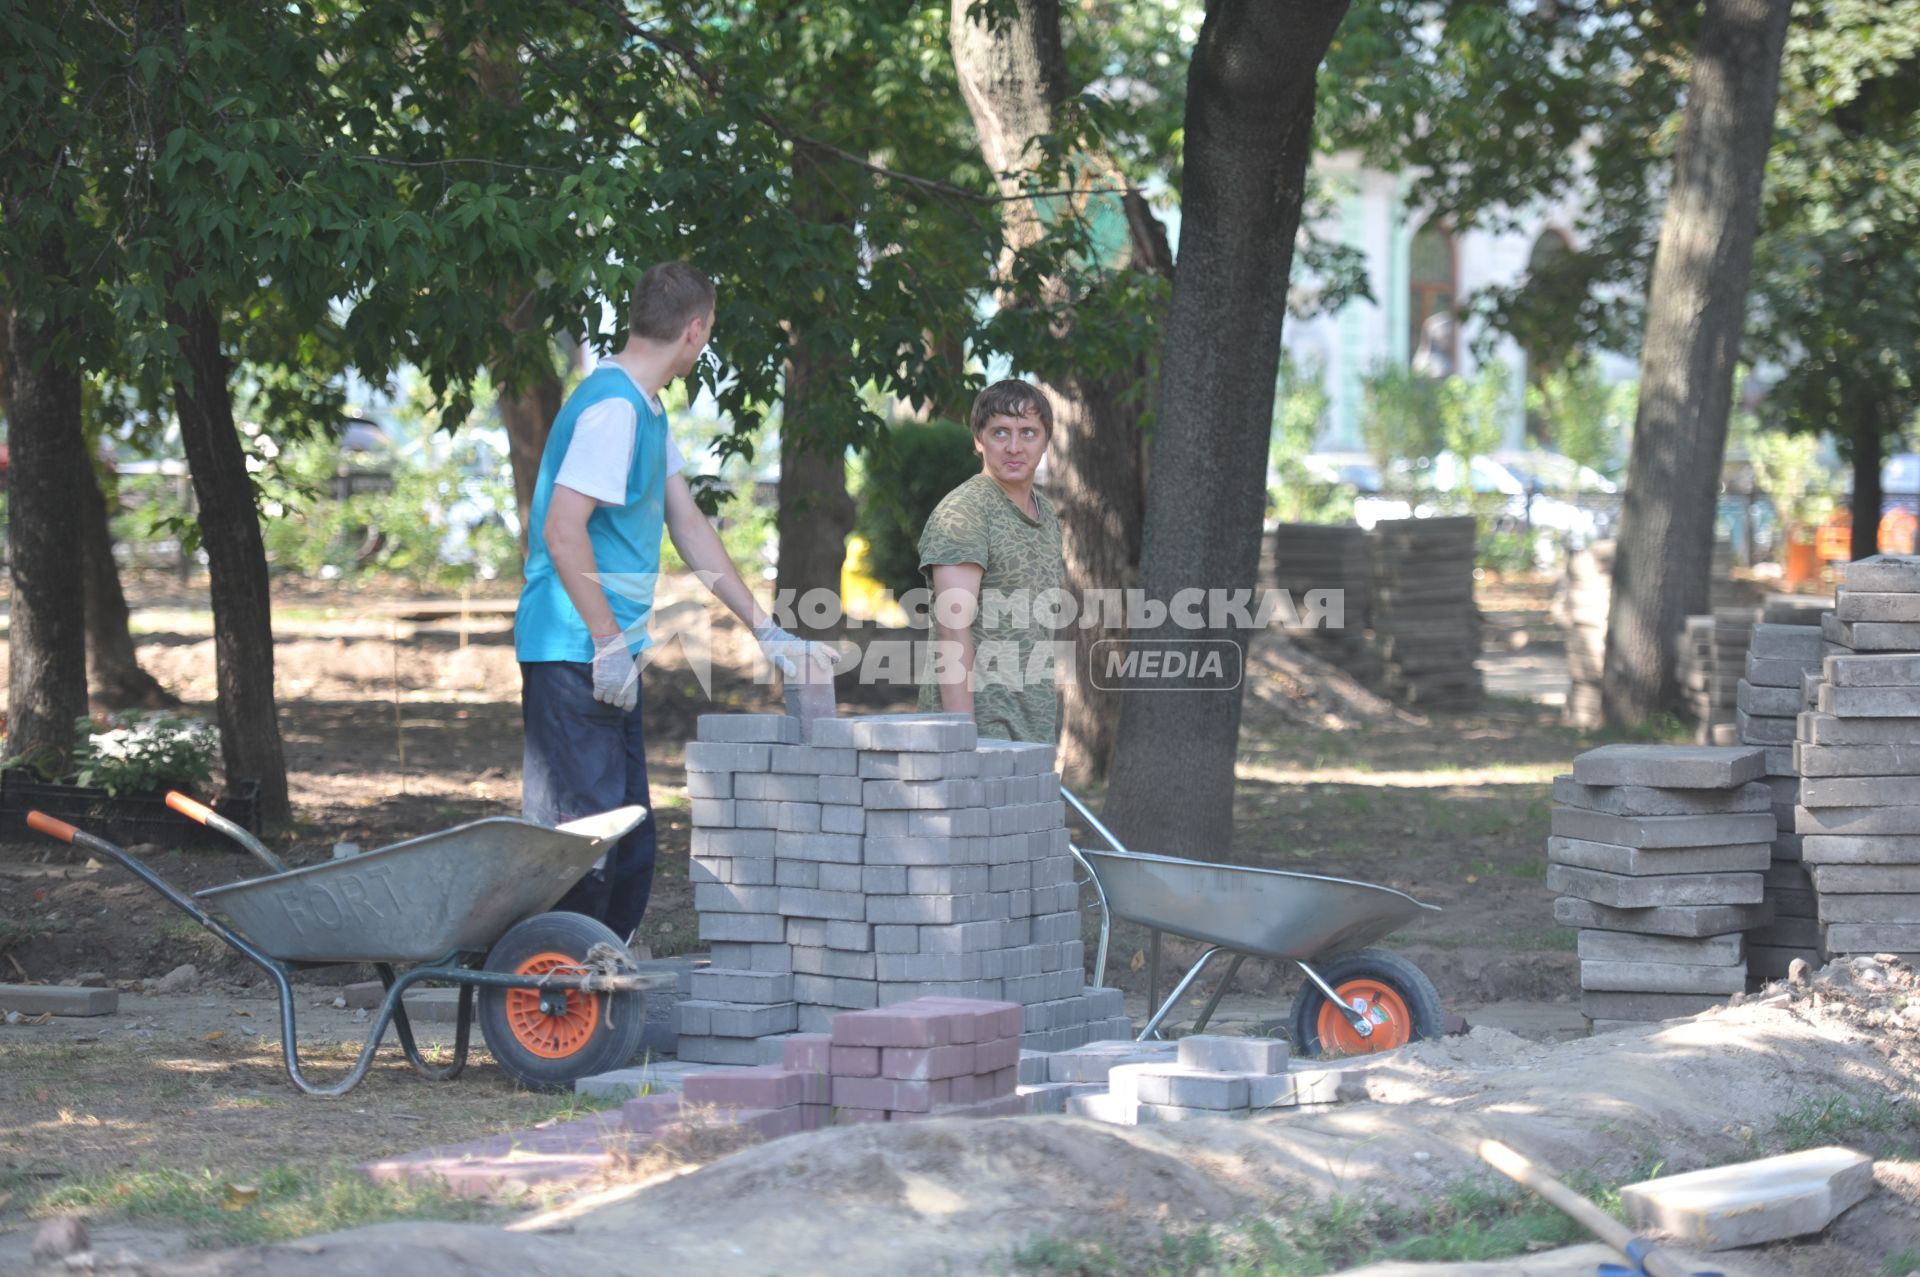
(1900, 1263)
(1876, 1123)
(19, 931)
(1476, 1220)
(276, 1205)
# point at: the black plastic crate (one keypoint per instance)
(126, 819)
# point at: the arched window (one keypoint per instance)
(1431, 287)
(1546, 338)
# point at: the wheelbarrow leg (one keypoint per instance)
(1213, 1003)
(403, 1029)
(1179, 991)
(1153, 972)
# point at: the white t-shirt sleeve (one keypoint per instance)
(675, 462)
(600, 454)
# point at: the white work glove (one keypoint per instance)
(616, 676)
(789, 653)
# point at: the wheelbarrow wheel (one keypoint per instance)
(594, 1033)
(1399, 1001)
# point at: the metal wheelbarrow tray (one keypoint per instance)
(1247, 911)
(559, 994)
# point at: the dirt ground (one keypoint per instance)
(401, 717)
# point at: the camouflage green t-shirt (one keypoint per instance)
(1014, 695)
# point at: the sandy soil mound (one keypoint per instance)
(953, 1195)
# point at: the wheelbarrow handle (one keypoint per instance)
(205, 815)
(49, 826)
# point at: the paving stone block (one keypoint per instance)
(905, 1024)
(77, 1001)
(1184, 1113)
(1763, 671)
(760, 987)
(1795, 642)
(1671, 920)
(1857, 760)
(1104, 1107)
(749, 728)
(931, 910)
(1094, 1062)
(912, 852)
(799, 902)
(707, 1049)
(1619, 946)
(740, 843)
(1871, 636)
(1618, 891)
(1796, 933)
(749, 1088)
(1873, 937)
(835, 819)
(726, 897)
(1645, 800)
(890, 795)
(841, 849)
(710, 784)
(753, 928)
(1633, 861)
(778, 787)
(1856, 821)
(899, 733)
(1662, 977)
(1761, 730)
(1868, 702)
(1893, 879)
(965, 937)
(1217, 1053)
(1754, 1202)
(1815, 728)
(925, 1063)
(1028, 758)
(1669, 766)
(839, 790)
(811, 760)
(1895, 573)
(1896, 908)
(1646, 1006)
(893, 1094)
(715, 756)
(1664, 831)
(897, 766)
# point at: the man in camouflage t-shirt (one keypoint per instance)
(991, 553)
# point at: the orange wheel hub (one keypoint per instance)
(1384, 1008)
(552, 1037)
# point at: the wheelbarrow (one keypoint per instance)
(1356, 999)
(559, 997)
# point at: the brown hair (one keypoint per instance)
(666, 298)
(1011, 398)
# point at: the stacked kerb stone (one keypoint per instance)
(1696, 675)
(1658, 854)
(1312, 556)
(1580, 608)
(1858, 750)
(1211, 1077)
(1771, 696)
(1732, 638)
(892, 858)
(1425, 625)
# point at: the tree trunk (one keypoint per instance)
(236, 563)
(114, 670)
(1696, 308)
(1869, 453)
(1013, 76)
(1249, 138)
(47, 672)
(527, 411)
(815, 512)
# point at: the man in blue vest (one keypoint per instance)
(609, 485)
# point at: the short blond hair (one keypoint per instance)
(1011, 398)
(667, 297)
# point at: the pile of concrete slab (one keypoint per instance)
(1204, 1076)
(1696, 677)
(1858, 751)
(1657, 853)
(1580, 609)
(1771, 696)
(1317, 556)
(889, 858)
(1424, 621)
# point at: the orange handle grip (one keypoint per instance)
(53, 828)
(187, 807)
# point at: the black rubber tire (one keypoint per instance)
(615, 1037)
(1428, 1019)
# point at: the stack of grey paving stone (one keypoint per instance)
(1732, 638)
(892, 857)
(1316, 556)
(1580, 608)
(1858, 750)
(1424, 621)
(1658, 854)
(1696, 675)
(1771, 697)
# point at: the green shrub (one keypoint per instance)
(143, 751)
(907, 472)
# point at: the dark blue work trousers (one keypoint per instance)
(584, 757)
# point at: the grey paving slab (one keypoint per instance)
(1869, 605)
(1815, 728)
(1857, 760)
(1662, 977)
(1860, 791)
(1646, 800)
(1871, 636)
(1894, 879)
(1618, 891)
(1670, 766)
(1606, 1005)
(1637, 861)
(1856, 820)
(1670, 920)
(1869, 702)
(1758, 729)
(1888, 572)
(1872, 670)
(1773, 671)
(1798, 642)
(1768, 700)
(1886, 907)
(58, 999)
(1218, 1053)
(1754, 1202)
(1860, 849)
(749, 728)
(1873, 937)
(1620, 946)
(1664, 831)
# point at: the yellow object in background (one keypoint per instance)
(863, 597)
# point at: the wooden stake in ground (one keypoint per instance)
(1583, 1212)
